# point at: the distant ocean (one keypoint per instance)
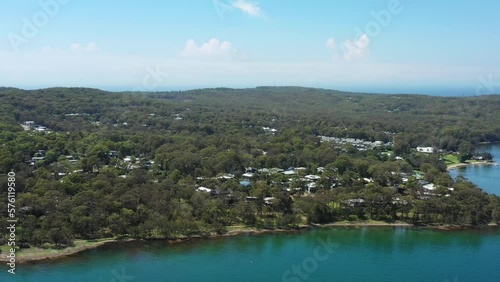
(474, 90)
(431, 91)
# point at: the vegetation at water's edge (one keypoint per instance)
(129, 164)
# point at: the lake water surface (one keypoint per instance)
(328, 254)
(487, 177)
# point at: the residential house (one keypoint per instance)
(245, 183)
(428, 150)
(203, 189)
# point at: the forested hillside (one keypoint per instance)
(92, 164)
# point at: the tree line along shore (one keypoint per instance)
(51, 254)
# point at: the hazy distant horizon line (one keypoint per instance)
(426, 91)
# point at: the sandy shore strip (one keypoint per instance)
(365, 224)
(468, 164)
(38, 254)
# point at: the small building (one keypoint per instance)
(250, 169)
(245, 183)
(248, 175)
(268, 200)
(33, 160)
(40, 128)
(428, 150)
(263, 170)
(355, 202)
(268, 129)
(226, 176)
(313, 177)
(203, 189)
(311, 187)
(429, 186)
(276, 170)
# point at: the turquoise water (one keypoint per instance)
(487, 177)
(330, 254)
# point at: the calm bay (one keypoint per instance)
(324, 254)
(486, 176)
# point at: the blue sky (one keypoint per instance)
(374, 46)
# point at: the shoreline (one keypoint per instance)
(489, 143)
(450, 167)
(40, 255)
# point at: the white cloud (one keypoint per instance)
(351, 50)
(356, 49)
(214, 48)
(331, 44)
(91, 47)
(251, 8)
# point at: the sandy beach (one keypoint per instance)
(469, 164)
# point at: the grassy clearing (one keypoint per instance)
(5, 249)
(238, 227)
(40, 252)
(451, 159)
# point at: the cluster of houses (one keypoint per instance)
(299, 181)
(295, 178)
(359, 144)
(128, 162)
(76, 114)
(295, 174)
(38, 156)
(269, 130)
(30, 125)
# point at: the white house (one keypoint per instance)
(204, 189)
(248, 175)
(268, 200)
(428, 150)
(313, 177)
(429, 186)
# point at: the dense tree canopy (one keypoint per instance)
(130, 164)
